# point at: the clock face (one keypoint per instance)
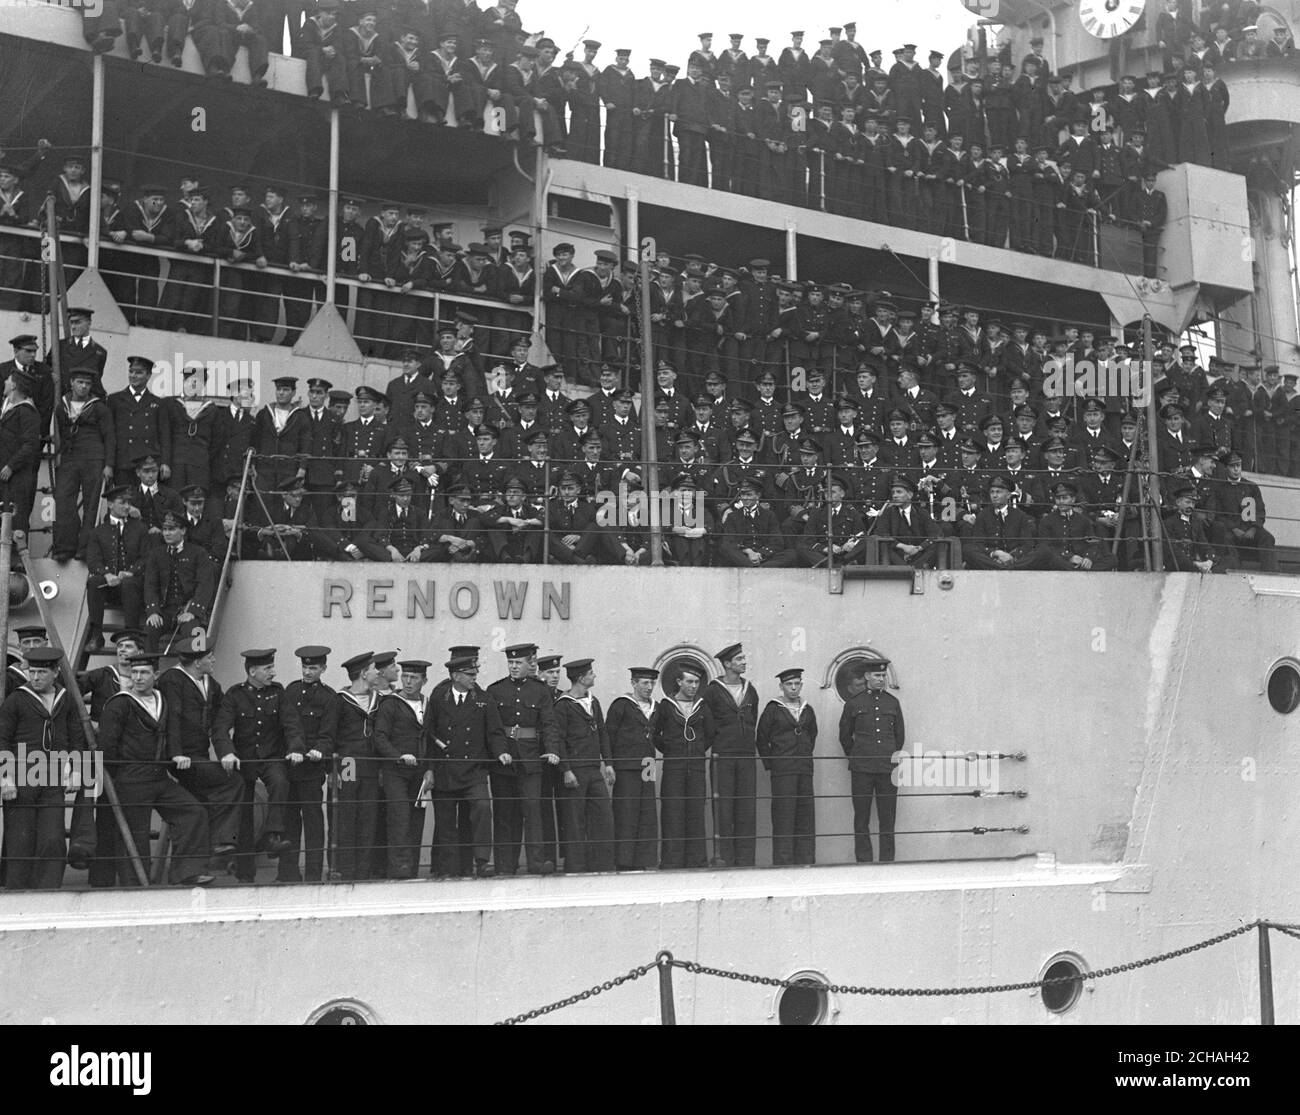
(1107, 18)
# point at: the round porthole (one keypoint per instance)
(1066, 972)
(848, 668)
(805, 1002)
(670, 668)
(1284, 688)
(343, 1012)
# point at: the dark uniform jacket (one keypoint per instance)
(355, 741)
(90, 435)
(231, 435)
(97, 686)
(990, 531)
(760, 532)
(871, 730)
(140, 425)
(363, 442)
(24, 720)
(678, 736)
(78, 354)
(465, 738)
(891, 524)
(256, 724)
(315, 707)
(190, 715)
(583, 739)
(733, 723)
(1067, 536)
(173, 580)
(786, 744)
(292, 440)
(527, 715)
(398, 732)
(132, 740)
(631, 733)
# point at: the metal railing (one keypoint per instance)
(209, 296)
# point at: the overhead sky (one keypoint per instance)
(668, 28)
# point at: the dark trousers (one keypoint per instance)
(1151, 253)
(107, 847)
(1257, 544)
(734, 783)
(682, 812)
(186, 818)
(222, 793)
(517, 818)
(636, 824)
(590, 820)
(446, 833)
(507, 820)
(405, 822)
(793, 817)
(552, 809)
(34, 851)
(187, 299)
(304, 827)
(76, 480)
(865, 786)
(276, 782)
(694, 168)
(82, 832)
(129, 596)
(356, 812)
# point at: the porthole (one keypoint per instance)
(671, 664)
(806, 1002)
(343, 1012)
(1067, 970)
(848, 666)
(1284, 688)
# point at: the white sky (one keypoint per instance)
(667, 29)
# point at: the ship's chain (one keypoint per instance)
(590, 993)
(695, 968)
(982, 989)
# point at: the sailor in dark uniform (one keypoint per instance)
(630, 726)
(86, 444)
(787, 738)
(356, 813)
(683, 734)
(192, 698)
(39, 716)
(400, 739)
(588, 775)
(733, 708)
(133, 737)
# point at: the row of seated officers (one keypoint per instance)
(516, 765)
(157, 553)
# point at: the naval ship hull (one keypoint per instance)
(1158, 811)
